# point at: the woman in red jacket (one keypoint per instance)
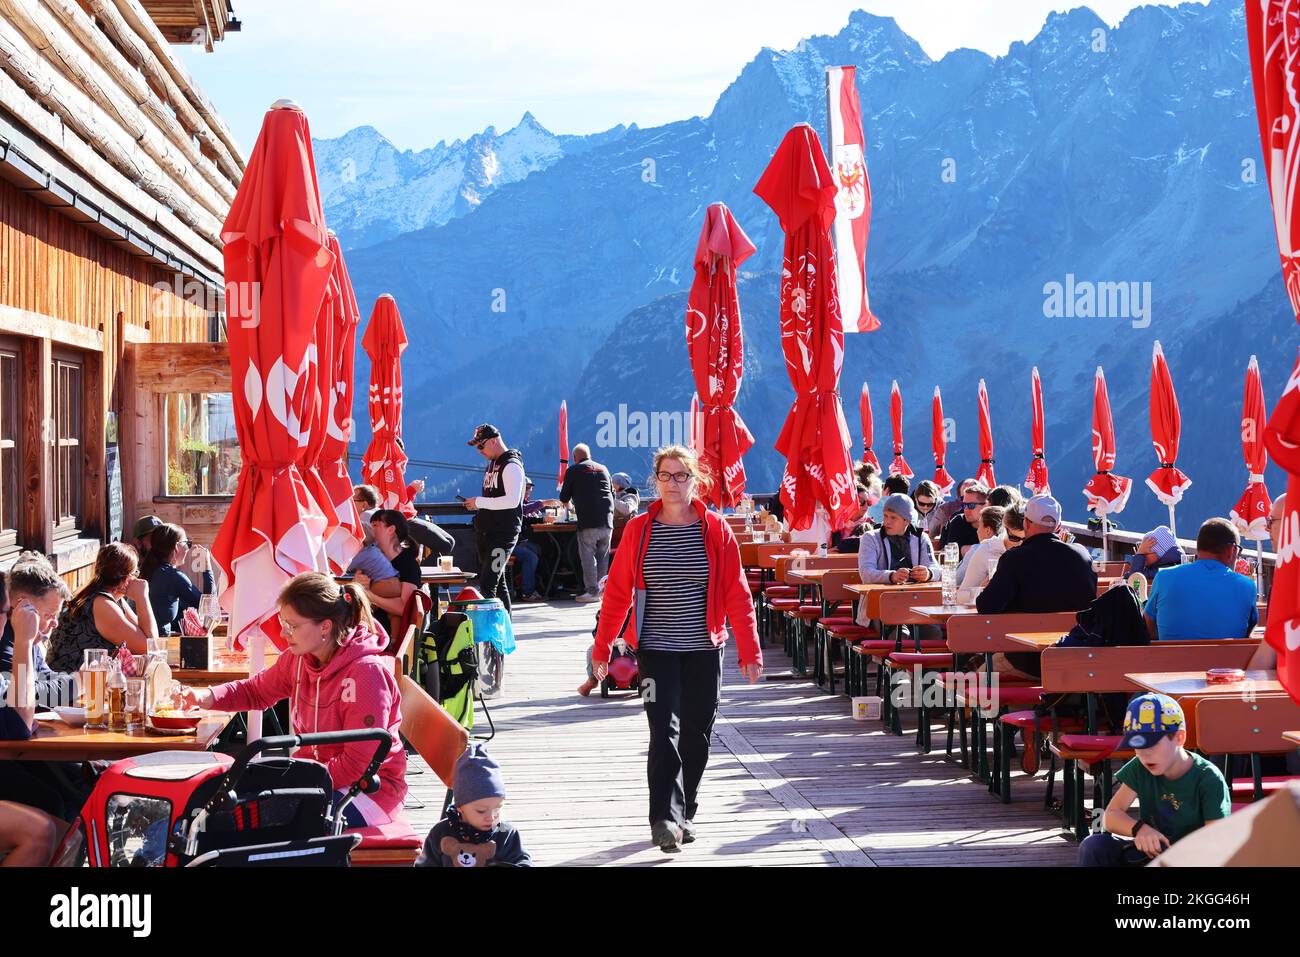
(677, 581)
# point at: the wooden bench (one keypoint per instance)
(987, 635)
(798, 611)
(1232, 725)
(1096, 671)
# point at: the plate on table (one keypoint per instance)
(177, 723)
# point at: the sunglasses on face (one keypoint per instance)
(924, 504)
(1013, 537)
(970, 505)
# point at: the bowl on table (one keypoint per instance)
(176, 720)
(72, 717)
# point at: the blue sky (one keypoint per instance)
(420, 72)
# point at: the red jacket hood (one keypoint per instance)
(359, 643)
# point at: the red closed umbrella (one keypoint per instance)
(939, 443)
(1252, 511)
(1166, 431)
(899, 466)
(868, 429)
(985, 474)
(716, 345)
(1037, 480)
(1107, 493)
(694, 413)
(339, 320)
(277, 255)
(800, 189)
(1274, 49)
(564, 443)
(384, 464)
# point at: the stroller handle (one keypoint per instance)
(225, 797)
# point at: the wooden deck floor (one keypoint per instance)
(792, 779)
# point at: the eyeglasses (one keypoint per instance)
(1012, 537)
(187, 543)
(289, 627)
(970, 505)
(479, 445)
(923, 504)
(681, 478)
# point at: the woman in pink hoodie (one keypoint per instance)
(336, 679)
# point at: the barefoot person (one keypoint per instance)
(679, 577)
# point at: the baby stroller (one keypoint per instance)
(205, 809)
(623, 673)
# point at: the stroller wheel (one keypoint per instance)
(604, 688)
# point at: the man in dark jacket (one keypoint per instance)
(1044, 574)
(587, 486)
(963, 528)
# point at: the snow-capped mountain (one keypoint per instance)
(373, 191)
(1089, 155)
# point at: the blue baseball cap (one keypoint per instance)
(1149, 718)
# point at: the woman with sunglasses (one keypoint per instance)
(675, 585)
(336, 678)
(170, 590)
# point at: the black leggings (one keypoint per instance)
(492, 557)
(680, 691)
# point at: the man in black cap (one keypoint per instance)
(498, 510)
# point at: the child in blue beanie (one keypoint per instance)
(473, 833)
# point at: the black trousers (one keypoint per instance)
(680, 691)
(493, 553)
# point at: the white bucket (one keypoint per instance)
(867, 708)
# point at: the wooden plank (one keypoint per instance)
(183, 367)
(36, 525)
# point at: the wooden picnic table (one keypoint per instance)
(940, 614)
(1192, 684)
(872, 593)
(1035, 640)
(809, 576)
(57, 741)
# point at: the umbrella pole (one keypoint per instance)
(1173, 529)
(1259, 567)
(1105, 544)
(256, 664)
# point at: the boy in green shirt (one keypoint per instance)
(1177, 791)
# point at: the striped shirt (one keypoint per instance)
(676, 570)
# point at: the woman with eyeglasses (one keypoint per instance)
(677, 582)
(170, 589)
(336, 678)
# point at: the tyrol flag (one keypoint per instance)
(852, 200)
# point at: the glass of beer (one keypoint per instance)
(94, 680)
(444, 563)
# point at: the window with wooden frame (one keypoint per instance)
(10, 444)
(66, 443)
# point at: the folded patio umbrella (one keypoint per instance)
(338, 326)
(985, 474)
(276, 249)
(868, 430)
(716, 346)
(899, 466)
(1037, 480)
(799, 188)
(384, 464)
(1252, 511)
(564, 443)
(1167, 481)
(1107, 493)
(694, 413)
(939, 443)
(1274, 49)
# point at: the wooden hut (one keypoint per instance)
(116, 173)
